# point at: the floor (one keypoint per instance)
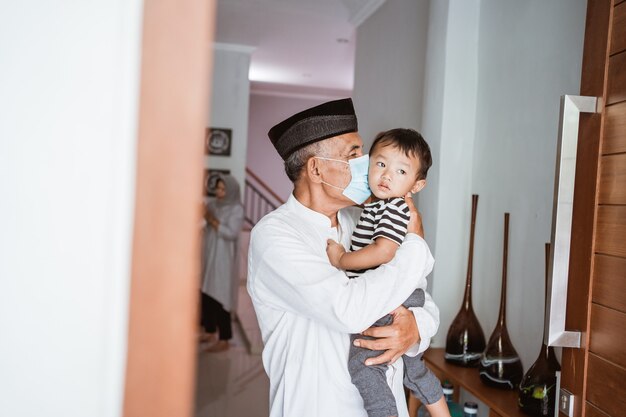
(232, 383)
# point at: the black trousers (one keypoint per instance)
(214, 317)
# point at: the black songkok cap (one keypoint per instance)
(329, 119)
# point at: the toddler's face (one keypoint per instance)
(392, 173)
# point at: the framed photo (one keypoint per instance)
(210, 180)
(217, 141)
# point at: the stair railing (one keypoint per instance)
(259, 199)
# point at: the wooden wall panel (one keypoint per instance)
(605, 386)
(605, 392)
(595, 46)
(608, 334)
(592, 84)
(175, 76)
(614, 139)
(618, 36)
(616, 82)
(592, 411)
(611, 230)
(609, 282)
(612, 183)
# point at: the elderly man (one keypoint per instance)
(306, 307)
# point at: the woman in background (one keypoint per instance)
(224, 217)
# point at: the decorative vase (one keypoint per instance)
(465, 341)
(500, 365)
(537, 391)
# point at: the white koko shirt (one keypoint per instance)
(307, 308)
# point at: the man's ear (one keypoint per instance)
(418, 186)
(313, 170)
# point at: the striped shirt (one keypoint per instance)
(384, 218)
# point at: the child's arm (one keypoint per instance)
(379, 252)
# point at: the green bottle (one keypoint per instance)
(448, 393)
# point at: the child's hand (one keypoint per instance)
(335, 251)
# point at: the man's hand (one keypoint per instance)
(415, 222)
(395, 339)
(335, 251)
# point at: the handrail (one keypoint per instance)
(258, 199)
(263, 185)
(261, 196)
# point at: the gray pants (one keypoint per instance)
(371, 381)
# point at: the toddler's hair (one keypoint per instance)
(411, 143)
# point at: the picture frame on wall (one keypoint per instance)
(218, 141)
(210, 180)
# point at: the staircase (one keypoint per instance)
(259, 200)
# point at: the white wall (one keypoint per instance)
(68, 105)
(229, 105)
(494, 72)
(530, 54)
(406, 75)
(389, 68)
(435, 62)
(449, 124)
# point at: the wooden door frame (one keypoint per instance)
(593, 80)
(173, 111)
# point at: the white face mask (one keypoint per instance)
(358, 190)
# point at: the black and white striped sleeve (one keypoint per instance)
(393, 221)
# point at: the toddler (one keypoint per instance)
(399, 162)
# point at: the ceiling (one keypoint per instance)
(299, 45)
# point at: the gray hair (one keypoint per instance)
(298, 159)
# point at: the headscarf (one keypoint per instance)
(233, 195)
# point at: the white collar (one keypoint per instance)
(310, 216)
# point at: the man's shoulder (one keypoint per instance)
(277, 216)
(279, 223)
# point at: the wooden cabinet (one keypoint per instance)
(501, 403)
